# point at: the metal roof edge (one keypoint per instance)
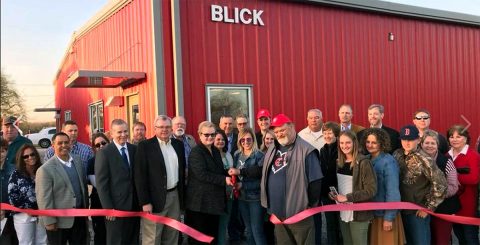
(403, 10)
(108, 10)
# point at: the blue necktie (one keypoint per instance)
(125, 158)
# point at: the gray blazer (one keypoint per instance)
(54, 190)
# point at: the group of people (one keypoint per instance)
(232, 179)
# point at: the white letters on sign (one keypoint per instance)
(244, 16)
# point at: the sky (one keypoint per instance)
(35, 36)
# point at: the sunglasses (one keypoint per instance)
(247, 140)
(32, 155)
(424, 118)
(209, 135)
(100, 144)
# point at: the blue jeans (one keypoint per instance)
(466, 234)
(252, 213)
(417, 230)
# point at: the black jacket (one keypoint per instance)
(151, 176)
(328, 162)
(206, 181)
(259, 138)
(451, 204)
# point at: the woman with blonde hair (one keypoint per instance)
(207, 179)
(267, 140)
(356, 183)
(248, 163)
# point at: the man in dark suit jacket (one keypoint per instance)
(159, 178)
(375, 117)
(61, 184)
(114, 167)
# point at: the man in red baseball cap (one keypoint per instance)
(263, 121)
(291, 181)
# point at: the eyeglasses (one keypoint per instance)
(32, 155)
(280, 131)
(163, 127)
(424, 118)
(100, 144)
(209, 135)
(247, 140)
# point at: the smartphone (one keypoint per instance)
(333, 190)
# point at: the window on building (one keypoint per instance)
(96, 117)
(68, 115)
(232, 100)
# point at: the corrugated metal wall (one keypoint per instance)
(122, 43)
(310, 56)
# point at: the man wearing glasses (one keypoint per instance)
(421, 120)
(242, 122)
(159, 179)
(291, 182)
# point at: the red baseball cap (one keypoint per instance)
(263, 113)
(279, 120)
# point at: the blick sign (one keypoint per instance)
(243, 16)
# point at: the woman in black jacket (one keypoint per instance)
(207, 179)
(328, 162)
(99, 140)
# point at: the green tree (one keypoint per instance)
(11, 103)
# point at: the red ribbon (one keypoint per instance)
(373, 206)
(117, 213)
(236, 192)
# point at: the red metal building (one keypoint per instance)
(139, 58)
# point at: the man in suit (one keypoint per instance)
(375, 117)
(61, 184)
(226, 124)
(114, 166)
(159, 179)
(345, 113)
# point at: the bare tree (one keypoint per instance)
(11, 102)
